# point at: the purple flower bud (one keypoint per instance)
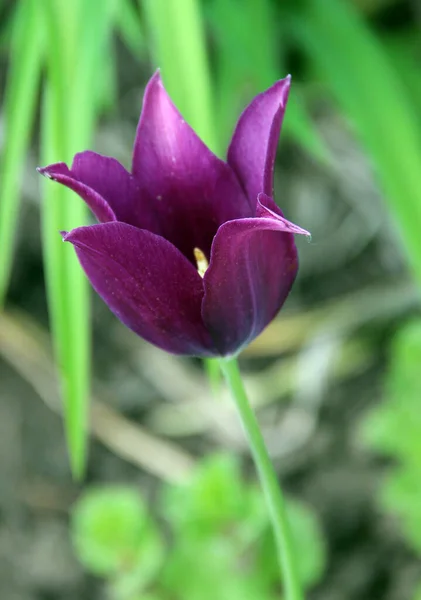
(190, 252)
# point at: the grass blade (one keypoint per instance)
(66, 288)
(355, 66)
(403, 53)
(244, 69)
(69, 113)
(129, 26)
(19, 109)
(179, 48)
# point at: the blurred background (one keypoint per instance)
(169, 508)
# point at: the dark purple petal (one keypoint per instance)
(147, 283)
(107, 187)
(253, 146)
(267, 208)
(191, 190)
(61, 173)
(253, 266)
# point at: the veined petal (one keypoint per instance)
(147, 283)
(107, 187)
(192, 191)
(253, 266)
(253, 146)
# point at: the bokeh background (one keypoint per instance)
(169, 508)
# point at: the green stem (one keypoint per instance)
(273, 494)
(214, 375)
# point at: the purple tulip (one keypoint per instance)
(190, 252)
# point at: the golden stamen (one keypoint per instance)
(201, 261)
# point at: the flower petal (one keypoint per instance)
(147, 283)
(267, 208)
(253, 266)
(61, 173)
(107, 187)
(191, 190)
(253, 146)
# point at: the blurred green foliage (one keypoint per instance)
(351, 60)
(215, 540)
(393, 430)
(114, 537)
(244, 69)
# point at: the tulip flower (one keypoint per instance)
(190, 252)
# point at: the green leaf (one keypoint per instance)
(129, 26)
(213, 500)
(19, 108)
(383, 428)
(417, 595)
(400, 495)
(178, 47)
(145, 597)
(403, 52)
(223, 545)
(75, 42)
(208, 569)
(114, 537)
(66, 287)
(354, 65)
(246, 68)
(299, 125)
(393, 428)
(6, 27)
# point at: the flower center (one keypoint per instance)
(201, 261)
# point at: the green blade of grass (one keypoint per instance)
(19, 109)
(249, 59)
(403, 53)
(6, 26)
(300, 127)
(179, 49)
(66, 288)
(107, 84)
(129, 26)
(355, 66)
(69, 113)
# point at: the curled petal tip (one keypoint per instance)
(283, 86)
(45, 172)
(266, 208)
(54, 171)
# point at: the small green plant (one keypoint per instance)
(393, 429)
(115, 538)
(218, 541)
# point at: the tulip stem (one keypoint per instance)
(271, 488)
